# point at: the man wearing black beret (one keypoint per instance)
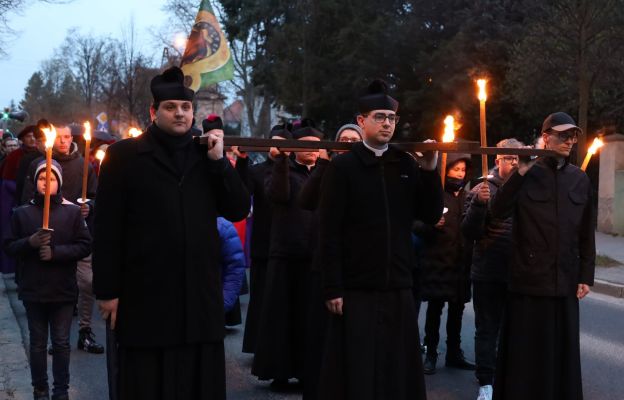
(369, 198)
(155, 262)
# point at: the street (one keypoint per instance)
(602, 352)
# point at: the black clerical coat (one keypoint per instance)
(156, 242)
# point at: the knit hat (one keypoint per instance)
(345, 127)
(376, 98)
(213, 121)
(56, 169)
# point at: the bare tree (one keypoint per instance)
(85, 55)
(8, 7)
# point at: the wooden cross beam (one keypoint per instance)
(263, 145)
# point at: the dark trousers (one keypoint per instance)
(489, 304)
(453, 326)
(57, 316)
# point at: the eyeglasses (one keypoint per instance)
(510, 159)
(349, 140)
(564, 136)
(381, 117)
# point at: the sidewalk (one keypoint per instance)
(14, 369)
(610, 281)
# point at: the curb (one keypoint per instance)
(608, 288)
(14, 368)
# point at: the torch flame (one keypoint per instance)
(481, 83)
(449, 129)
(595, 146)
(134, 132)
(87, 133)
(50, 135)
(100, 155)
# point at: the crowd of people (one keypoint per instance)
(342, 248)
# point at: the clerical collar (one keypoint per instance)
(377, 152)
(309, 167)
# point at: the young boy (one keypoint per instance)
(47, 287)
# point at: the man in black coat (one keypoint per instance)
(156, 270)
(281, 332)
(490, 264)
(552, 267)
(254, 177)
(369, 199)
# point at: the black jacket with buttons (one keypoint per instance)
(553, 231)
(366, 210)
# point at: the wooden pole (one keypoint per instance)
(85, 170)
(46, 197)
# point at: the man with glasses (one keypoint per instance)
(369, 198)
(551, 268)
(490, 259)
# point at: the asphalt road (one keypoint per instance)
(602, 352)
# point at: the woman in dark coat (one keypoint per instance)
(444, 271)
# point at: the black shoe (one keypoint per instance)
(86, 342)
(60, 397)
(429, 367)
(41, 394)
(456, 359)
(50, 350)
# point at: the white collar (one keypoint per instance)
(309, 167)
(378, 152)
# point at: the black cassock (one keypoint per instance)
(280, 345)
(367, 207)
(156, 250)
(539, 352)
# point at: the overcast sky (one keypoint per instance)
(42, 27)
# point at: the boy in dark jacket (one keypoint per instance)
(48, 285)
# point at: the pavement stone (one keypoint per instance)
(610, 281)
(14, 369)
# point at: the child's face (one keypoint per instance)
(41, 183)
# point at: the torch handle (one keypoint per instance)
(85, 170)
(46, 197)
(483, 131)
(443, 169)
(586, 161)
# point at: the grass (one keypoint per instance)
(606, 261)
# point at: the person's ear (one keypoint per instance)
(152, 113)
(360, 120)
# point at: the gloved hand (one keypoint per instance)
(40, 238)
(429, 159)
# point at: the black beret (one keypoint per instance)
(213, 121)
(307, 127)
(376, 98)
(170, 86)
(282, 130)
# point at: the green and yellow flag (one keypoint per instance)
(207, 58)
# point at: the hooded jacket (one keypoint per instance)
(232, 262)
